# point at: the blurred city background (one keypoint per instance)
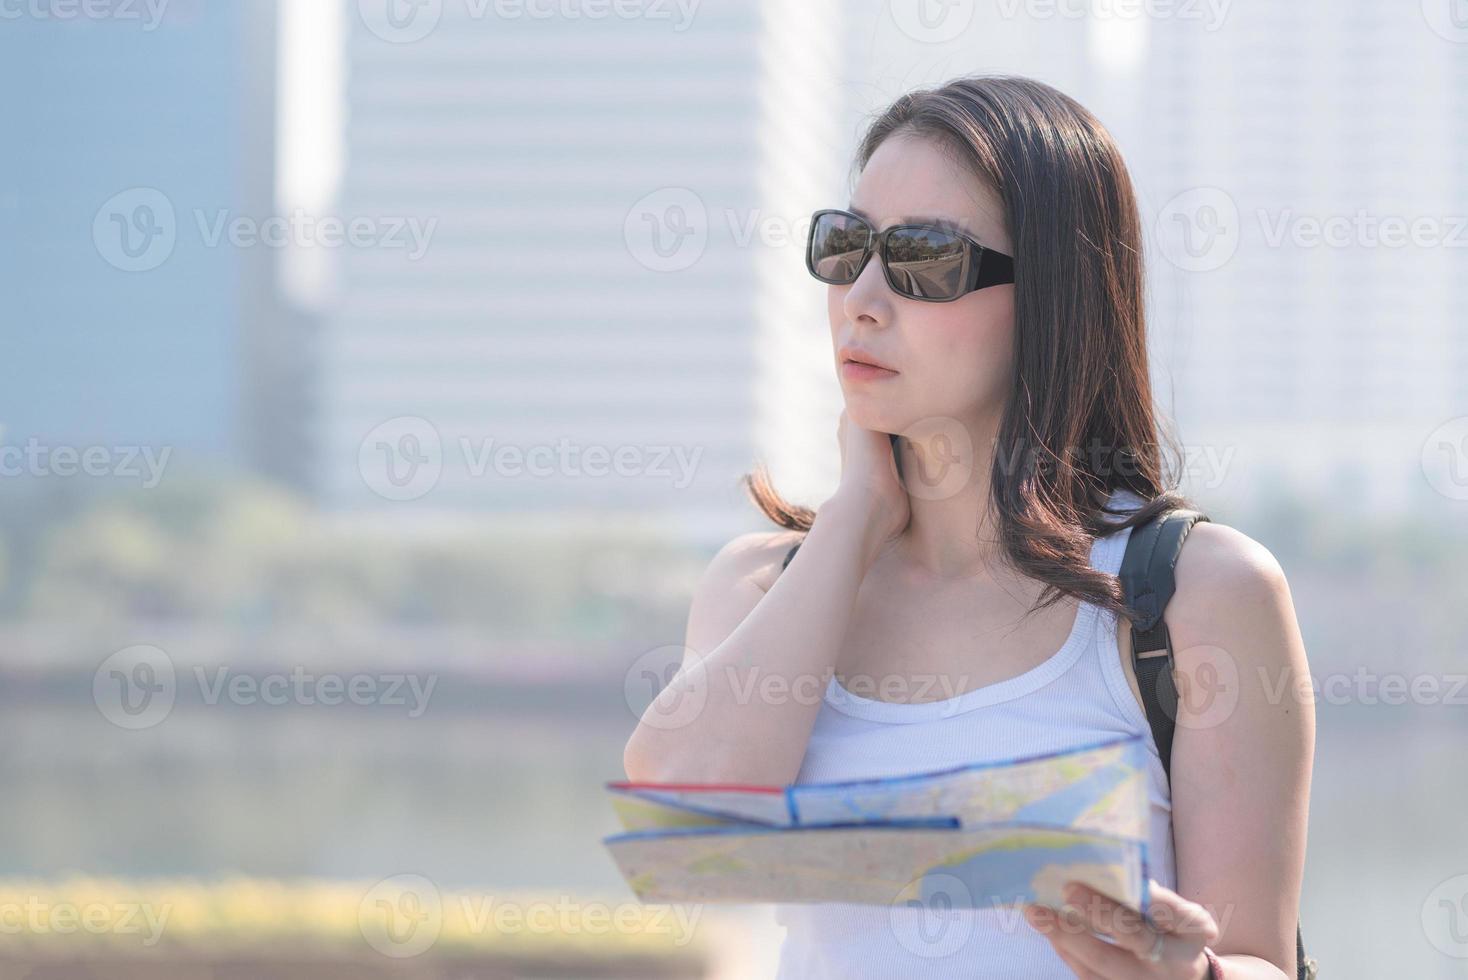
(377, 378)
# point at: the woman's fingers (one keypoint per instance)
(1089, 956)
(1074, 931)
(1176, 916)
(1121, 923)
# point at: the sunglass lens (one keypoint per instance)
(837, 246)
(925, 264)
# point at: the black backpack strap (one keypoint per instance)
(1148, 576)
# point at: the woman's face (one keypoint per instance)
(952, 360)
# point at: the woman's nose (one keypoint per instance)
(869, 295)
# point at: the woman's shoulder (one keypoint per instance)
(1220, 560)
(737, 577)
(754, 556)
(774, 552)
(1231, 593)
(1220, 570)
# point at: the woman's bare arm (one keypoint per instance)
(1245, 739)
(741, 708)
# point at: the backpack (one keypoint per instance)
(1147, 577)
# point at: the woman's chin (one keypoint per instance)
(869, 414)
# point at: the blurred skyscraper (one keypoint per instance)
(1310, 242)
(134, 132)
(604, 310)
(590, 321)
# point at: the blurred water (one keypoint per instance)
(467, 799)
(502, 798)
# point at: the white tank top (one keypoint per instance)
(1078, 696)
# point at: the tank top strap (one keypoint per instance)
(1109, 549)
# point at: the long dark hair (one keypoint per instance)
(1080, 420)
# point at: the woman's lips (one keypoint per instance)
(857, 371)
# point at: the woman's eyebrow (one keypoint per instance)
(913, 219)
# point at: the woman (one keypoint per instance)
(959, 604)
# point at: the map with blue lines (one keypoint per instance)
(977, 836)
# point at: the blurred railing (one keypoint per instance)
(247, 927)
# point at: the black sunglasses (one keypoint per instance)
(923, 262)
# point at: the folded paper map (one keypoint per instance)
(976, 836)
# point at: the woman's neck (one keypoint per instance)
(946, 467)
